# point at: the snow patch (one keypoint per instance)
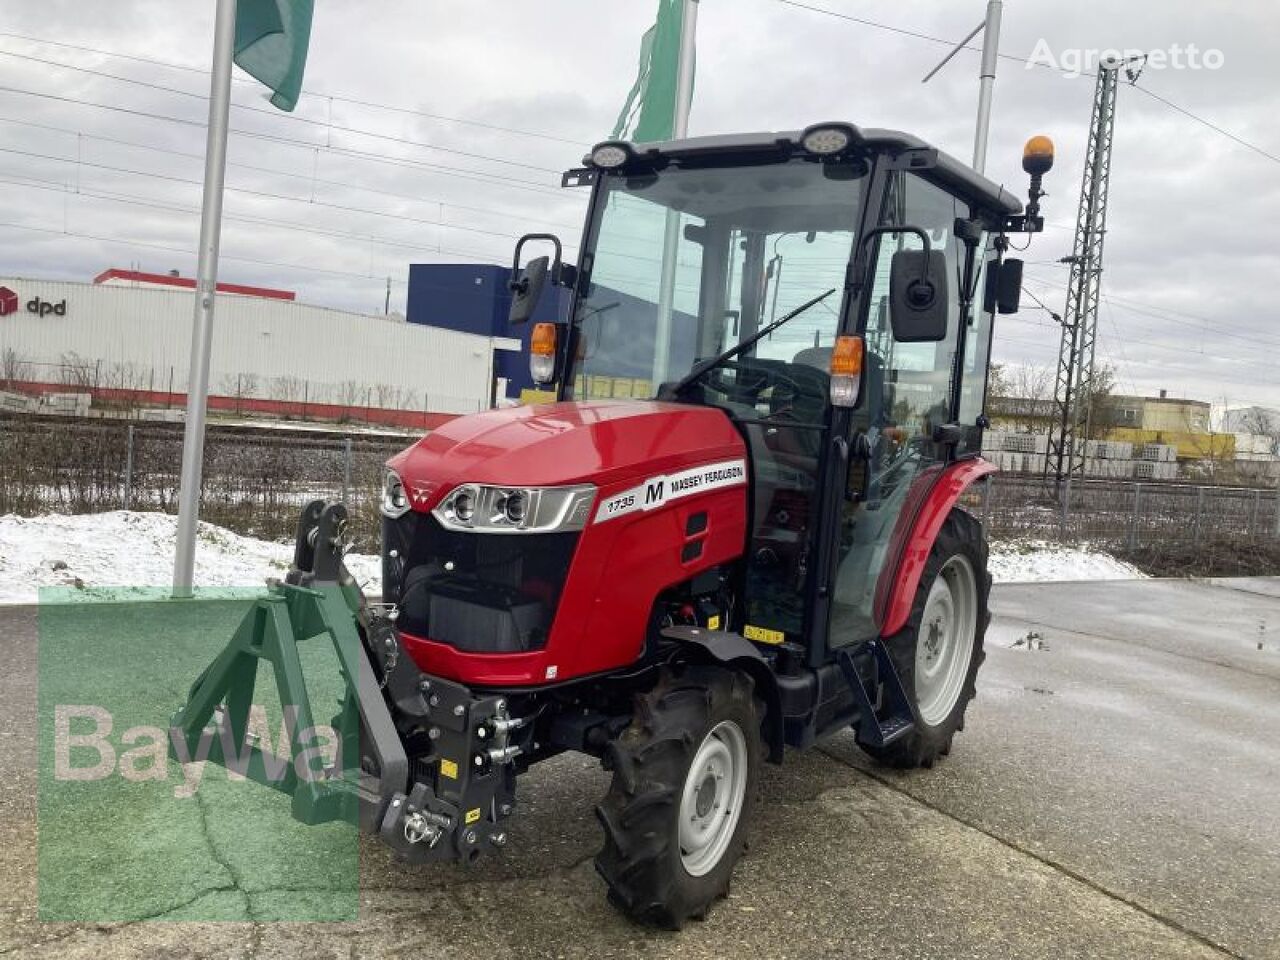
(119, 554)
(1038, 561)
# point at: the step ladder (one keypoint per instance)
(897, 716)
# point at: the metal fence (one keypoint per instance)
(255, 480)
(1125, 514)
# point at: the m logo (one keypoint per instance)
(653, 492)
(8, 301)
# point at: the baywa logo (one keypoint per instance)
(8, 302)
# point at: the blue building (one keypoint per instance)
(473, 298)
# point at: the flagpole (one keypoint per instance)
(671, 239)
(215, 168)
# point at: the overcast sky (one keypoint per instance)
(1192, 242)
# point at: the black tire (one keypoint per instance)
(641, 859)
(961, 534)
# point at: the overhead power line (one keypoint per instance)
(465, 173)
(1210, 124)
(324, 125)
(145, 244)
(136, 201)
(1168, 315)
(292, 175)
(917, 35)
(337, 98)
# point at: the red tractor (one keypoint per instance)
(736, 530)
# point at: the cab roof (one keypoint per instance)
(948, 171)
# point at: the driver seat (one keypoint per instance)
(817, 357)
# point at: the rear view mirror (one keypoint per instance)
(526, 289)
(918, 296)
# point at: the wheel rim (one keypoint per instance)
(944, 645)
(711, 802)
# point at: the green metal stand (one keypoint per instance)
(271, 631)
(320, 601)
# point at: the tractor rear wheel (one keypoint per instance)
(938, 652)
(685, 777)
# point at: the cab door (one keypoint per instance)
(910, 390)
(780, 398)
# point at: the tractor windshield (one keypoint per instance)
(739, 247)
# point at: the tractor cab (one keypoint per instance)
(832, 292)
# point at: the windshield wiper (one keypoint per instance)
(700, 368)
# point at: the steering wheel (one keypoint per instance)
(751, 381)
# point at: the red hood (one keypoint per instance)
(600, 442)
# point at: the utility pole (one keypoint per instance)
(986, 83)
(215, 169)
(990, 29)
(671, 238)
(1073, 386)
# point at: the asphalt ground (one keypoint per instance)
(1116, 793)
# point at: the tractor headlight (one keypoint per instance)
(395, 501)
(492, 509)
(461, 506)
(515, 506)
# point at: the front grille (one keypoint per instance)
(479, 592)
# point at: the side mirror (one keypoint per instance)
(526, 289)
(1004, 288)
(1009, 286)
(526, 285)
(918, 296)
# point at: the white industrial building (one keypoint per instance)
(129, 335)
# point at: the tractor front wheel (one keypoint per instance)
(685, 777)
(938, 652)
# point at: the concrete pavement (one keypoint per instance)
(1114, 795)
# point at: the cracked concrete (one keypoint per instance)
(1129, 814)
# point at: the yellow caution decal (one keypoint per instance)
(763, 635)
(448, 768)
(713, 622)
(473, 816)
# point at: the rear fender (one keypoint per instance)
(738, 653)
(930, 516)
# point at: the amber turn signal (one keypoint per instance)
(542, 352)
(846, 371)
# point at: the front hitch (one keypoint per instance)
(444, 805)
(465, 786)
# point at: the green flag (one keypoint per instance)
(650, 111)
(271, 45)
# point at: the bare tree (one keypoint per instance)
(75, 371)
(1103, 416)
(13, 367)
(1021, 395)
(1260, 422)
(239, 386)
(286, 388)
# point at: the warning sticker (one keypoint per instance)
(473, 816)
(448, 768)
(763, 635)
(658, 491)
